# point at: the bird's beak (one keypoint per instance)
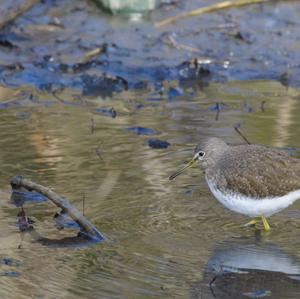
(180, 171)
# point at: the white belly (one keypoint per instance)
(254, 207)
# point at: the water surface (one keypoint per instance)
(165, 239)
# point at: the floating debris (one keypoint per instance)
(95, 53)
(9, 262)
(108, 112)
(11, 274)
(188, 192)
(142, 131)
(175, 92)
(158, 144)
(258, 294)
(244, 37)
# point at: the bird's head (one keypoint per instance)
(206, 154)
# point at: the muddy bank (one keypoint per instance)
(49, 47)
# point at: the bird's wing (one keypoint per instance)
(259, 171)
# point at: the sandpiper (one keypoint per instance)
(254, 180)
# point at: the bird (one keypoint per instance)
(254, 180)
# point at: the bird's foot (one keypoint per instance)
(256, 220)
(253, 222)
(265, 223)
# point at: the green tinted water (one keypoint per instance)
(165, 239)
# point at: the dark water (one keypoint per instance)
(165, 239)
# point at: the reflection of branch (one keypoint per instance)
(26, 226)
(207, 9)
(211, 285)
(92, 125)
(86, 227)
(237, 129)
(218, 111)
(262, 106)
(79, 240)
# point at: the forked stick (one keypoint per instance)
(87, 227)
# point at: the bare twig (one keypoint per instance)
(21, 241)
(98, 152)
(92, 125)
(83, 204)
(207, 9)
(175, 44)
(94, 53)
(262, 106)
(218, 111)
(237, 129)
(86, 226)
(10, 16)
(211, 285)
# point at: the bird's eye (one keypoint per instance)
(201, 154)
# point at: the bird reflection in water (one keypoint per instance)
(249, 268)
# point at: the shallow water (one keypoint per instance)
(165, 239)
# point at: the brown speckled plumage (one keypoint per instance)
(252, 170)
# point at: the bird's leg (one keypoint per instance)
(265, 223)
(252, 222)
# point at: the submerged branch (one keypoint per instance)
(207, 9)
(87, 227)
